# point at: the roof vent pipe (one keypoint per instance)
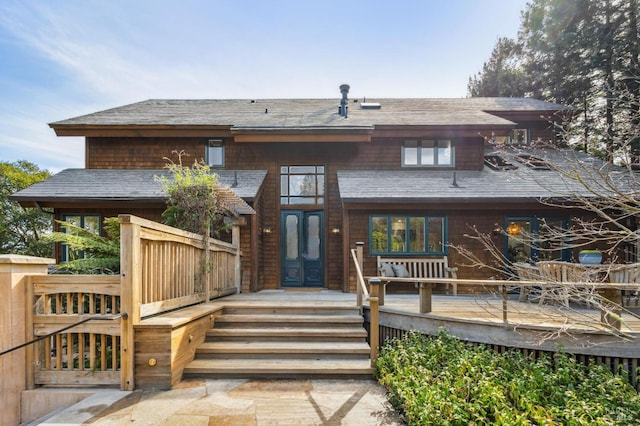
(344, 89)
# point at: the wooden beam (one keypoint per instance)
(440, 131)
(302, 138)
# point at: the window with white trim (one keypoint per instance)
(215, 153)
(428, 153)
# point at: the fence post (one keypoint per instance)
(359, 256)
(236, 223)
(374, 318)
(130, 297)
(16, 368)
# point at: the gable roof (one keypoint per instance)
(308, 113)
(236, 187)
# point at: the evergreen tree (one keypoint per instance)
(576, 52)
(502, 75)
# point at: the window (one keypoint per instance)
(428, 152)
(302, 185)
(401, 234)
(215, 153)
(90, 222)
(520, 136)
(536, 238)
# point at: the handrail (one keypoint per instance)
(503, 284)
(53, 333)
(372, 298)
(514, 283)
(359, 277)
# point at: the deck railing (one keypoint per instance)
(85, 354)
(372, 297)
(164, 268)
(606, 295)
(82, 326)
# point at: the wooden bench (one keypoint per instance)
(417, 267)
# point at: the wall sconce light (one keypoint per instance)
(497, 230)
(335, 231)
(514, 228)
(267, 230)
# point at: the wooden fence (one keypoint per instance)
(165, 268)
(86, 354)
(162, 269)
(626, 366)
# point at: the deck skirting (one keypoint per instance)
(599, 347)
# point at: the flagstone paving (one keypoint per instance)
(244, 402)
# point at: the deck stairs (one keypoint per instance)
(284, 342)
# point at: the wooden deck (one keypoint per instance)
(485, 308)
(479, 318)
(488, 308)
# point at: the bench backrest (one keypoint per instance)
(427, 267)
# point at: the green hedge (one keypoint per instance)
(442, 380)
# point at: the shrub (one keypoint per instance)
(442, 380)
(92, 253)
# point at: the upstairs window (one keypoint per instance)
(302, 185)
(428, 153)
(400, 234)
(215, 153)
(520, 136)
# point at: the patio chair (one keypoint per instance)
(626, 274)
(528, 272)
(562, 273)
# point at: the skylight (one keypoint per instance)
(498, 163)
(532, 162)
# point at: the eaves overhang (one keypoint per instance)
(302, 134)
(451, 130)
(136, 130)
(104, 187)
(486, 201)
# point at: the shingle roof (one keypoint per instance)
(303, 113)
(517, 185)
(113, 185)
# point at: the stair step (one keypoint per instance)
(289, 349)
(290, 309)
(284, 341)
(288, 320)
(289, 333)
(280, 368)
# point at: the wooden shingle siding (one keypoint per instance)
(261, 262)
(460, 221)
(141, 153)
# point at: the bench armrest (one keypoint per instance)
(453, 271)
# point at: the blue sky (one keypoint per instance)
(66, 58)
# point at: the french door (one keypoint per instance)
(302, 248)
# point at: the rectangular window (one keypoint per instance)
(301, 185)
(520, 136)
(90, 222)
(401, 234)
(215, 153)
(428, 152)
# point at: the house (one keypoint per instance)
(404, 176)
